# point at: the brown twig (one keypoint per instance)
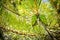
(20, 33)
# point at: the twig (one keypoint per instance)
(4, 6)
(20, 33)
(45, 25)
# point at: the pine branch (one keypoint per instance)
(45, 25)
(4, 6)
(20, 33)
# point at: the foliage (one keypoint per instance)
(20, 15)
